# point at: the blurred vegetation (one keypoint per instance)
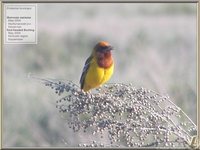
(155, 48)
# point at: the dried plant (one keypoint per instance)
(131, 117)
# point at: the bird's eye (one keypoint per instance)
(100, 49)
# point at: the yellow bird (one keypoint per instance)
(98, 67)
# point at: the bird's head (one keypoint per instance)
(102, 52)
(103, 47)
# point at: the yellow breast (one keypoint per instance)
(97, 75)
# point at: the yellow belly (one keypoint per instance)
(97, 76)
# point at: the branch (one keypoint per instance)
(131, 117)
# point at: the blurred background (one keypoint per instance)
(155, 48)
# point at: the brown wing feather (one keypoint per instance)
(84, 72)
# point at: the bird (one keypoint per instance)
(98, 68)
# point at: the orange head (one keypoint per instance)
(102, 52)
(103, 47)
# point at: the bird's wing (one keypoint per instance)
(84, 72)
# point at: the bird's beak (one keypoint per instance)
(109, 48)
